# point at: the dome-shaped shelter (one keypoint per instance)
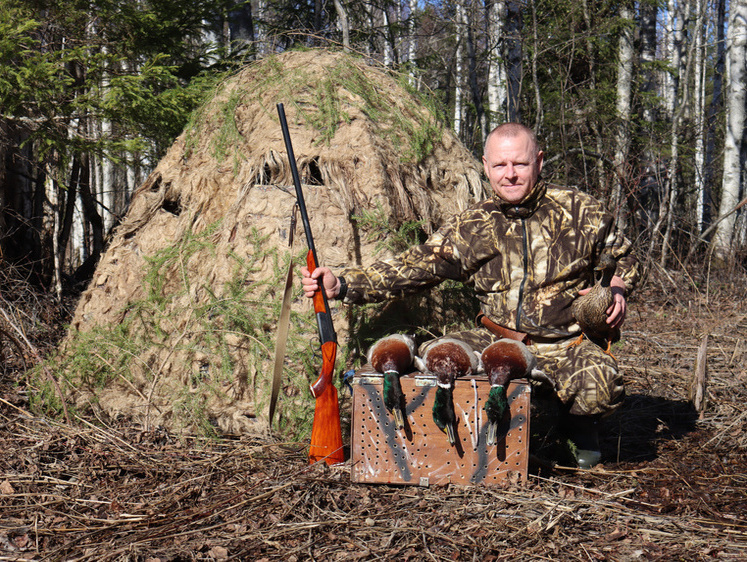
(177, 326)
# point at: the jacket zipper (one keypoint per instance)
(525, 247)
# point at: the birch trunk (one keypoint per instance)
(674, 193)
(736, 85)
(459, 70)
(699, 105)
(497, 87)
(674, 37)
(623, 106)
(342, 16)
(412, 40)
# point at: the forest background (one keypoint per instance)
(640, 103)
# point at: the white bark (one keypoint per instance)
(342, 15)
(388, 55)
(623, 107)
(106, 188)
(460, 27)
(736, 85)
(261, 34)
(497, 88)
(699, 113)
(51, 187)
(674, 191)
(412, 40)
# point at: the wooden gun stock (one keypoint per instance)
(326, 434)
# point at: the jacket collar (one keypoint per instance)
(527, 206)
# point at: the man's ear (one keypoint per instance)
(540, 161)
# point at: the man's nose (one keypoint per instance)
(510, 170)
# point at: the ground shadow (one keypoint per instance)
(632, 434)
(635, 432)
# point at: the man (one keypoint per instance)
(529, 251)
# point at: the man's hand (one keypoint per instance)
(616, 313)
(310, 282)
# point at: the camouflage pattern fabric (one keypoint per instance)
(526, 264)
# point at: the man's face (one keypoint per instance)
(511, 166)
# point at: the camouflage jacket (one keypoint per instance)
(526, 262)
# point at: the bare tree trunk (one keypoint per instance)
(649, 170)
(714, 108)
(241, 26)
(412, 40)
(459, 26)
(535, 78)
(682, 105)
(53, 198)
(90, 210)
(736, 98)
(675, 38)
(473, 85)
(623, 108)
(591, 55)
(497, 86)
(513, 59)
(342, 16)
(699, 112)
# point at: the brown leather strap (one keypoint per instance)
(502, 331)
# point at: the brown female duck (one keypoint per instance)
(590, 310)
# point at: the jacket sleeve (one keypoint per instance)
(453, 252)
(419, 267)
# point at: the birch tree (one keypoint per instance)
(496, 84)
(460, 27)
(623, 110)
(699, 93)
(736, 85)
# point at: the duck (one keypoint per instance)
(590, 310)
(392, 356)
(447, 359)
(504, 361)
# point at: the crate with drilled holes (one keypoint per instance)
(420, 454)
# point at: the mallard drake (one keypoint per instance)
(392, 356)
(590, 310)
(448, 359)
(504, 361)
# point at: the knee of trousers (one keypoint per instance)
(592, 385)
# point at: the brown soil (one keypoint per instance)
(673, 486)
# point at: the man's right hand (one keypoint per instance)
(310, 282)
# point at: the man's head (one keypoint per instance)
(512, 161)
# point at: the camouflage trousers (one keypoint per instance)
(587, 381)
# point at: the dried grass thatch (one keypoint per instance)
(177, 326)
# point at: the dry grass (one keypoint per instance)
(673, 487)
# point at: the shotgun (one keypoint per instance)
(326, 434)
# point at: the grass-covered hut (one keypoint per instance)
(177, 327)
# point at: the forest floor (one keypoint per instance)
(673, 485)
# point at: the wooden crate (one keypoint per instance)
(420, 454)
